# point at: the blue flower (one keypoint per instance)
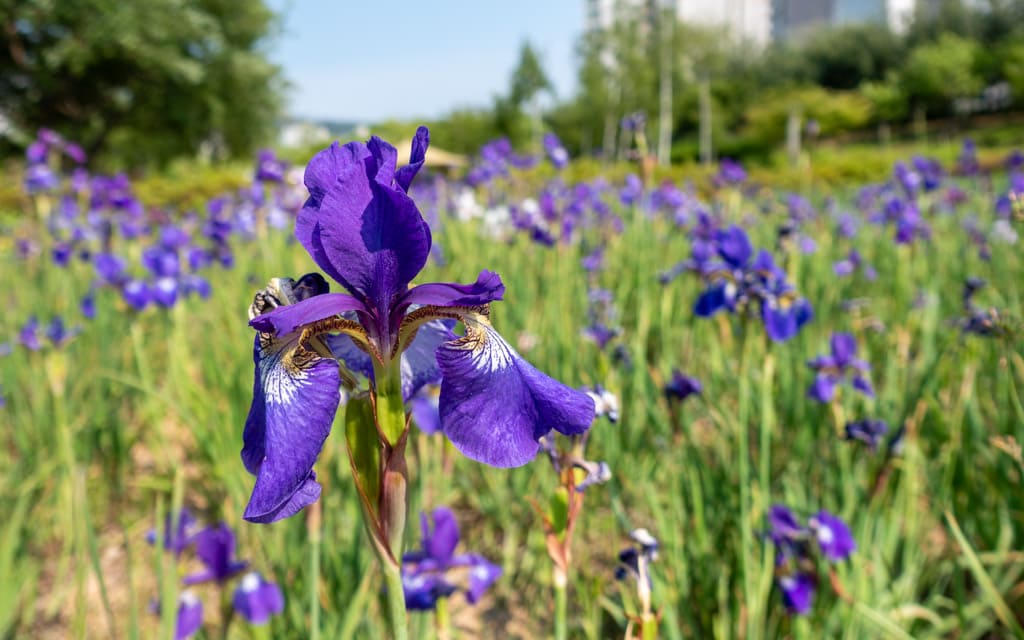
(868, 431)
(256, 599)
(798, 592)
(744, 282)
(833, 535)
(215, 547)
(364, 231)
(838, 366)
(433, 571)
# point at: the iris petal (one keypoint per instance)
(295, 397)
(487, 288)
(286, 318)
(495, 406)
(404, 176)
(440, 542)
(372, 234)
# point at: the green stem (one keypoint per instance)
(396, 600)
(313, 527)
(743, 467)
(442, 620)
(561, 605)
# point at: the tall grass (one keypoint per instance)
(96, 437)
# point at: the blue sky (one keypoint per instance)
(370, 61)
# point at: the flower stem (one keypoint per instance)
(561, 604)
(392, 426)
(313, 524)
(442, 620)
(396, 600)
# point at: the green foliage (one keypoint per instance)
(887, 98)
(141, 81)
(844, 57)
(834, 111)
(937, 73)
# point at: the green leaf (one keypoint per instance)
(363, 449)
(558, 510)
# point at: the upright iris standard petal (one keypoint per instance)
(295, 396)
(417, 156)
(215, 547)
(372, 235)
(439, 540)
(844, 349)
(734, 246)
(495, 406)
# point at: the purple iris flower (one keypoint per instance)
(833, 536)
(137, 294)
(836, 367)
(182, 535)
(215, 547)
(39, 177)
(556, 153)
(28, 335)
(36, 152)
(632, 191)
(58, 333)
(798, 592)
(783, 526)
(743, 279)
(164, 291)
(868, 431)
(730, 172)
(110, 268)
(851, 263)
(635, 121)
(430, 573)
(88, 305)
(75, 152)
(190, 616)
(363, 230)
(682, 386)
(256, 600)
(268, 167)
(967, 162)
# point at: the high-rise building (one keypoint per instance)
(792, 19)
(748, 20)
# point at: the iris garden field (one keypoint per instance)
(808, 409)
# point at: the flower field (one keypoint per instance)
(639, 407)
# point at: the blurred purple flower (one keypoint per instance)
(429, 573)
(839, 365)
(257, 600)
(215, 547)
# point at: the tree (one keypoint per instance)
(936, 74)
(844, 57)
(141, 81)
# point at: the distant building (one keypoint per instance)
(793, 19)
(749, 20)
(301, 133)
